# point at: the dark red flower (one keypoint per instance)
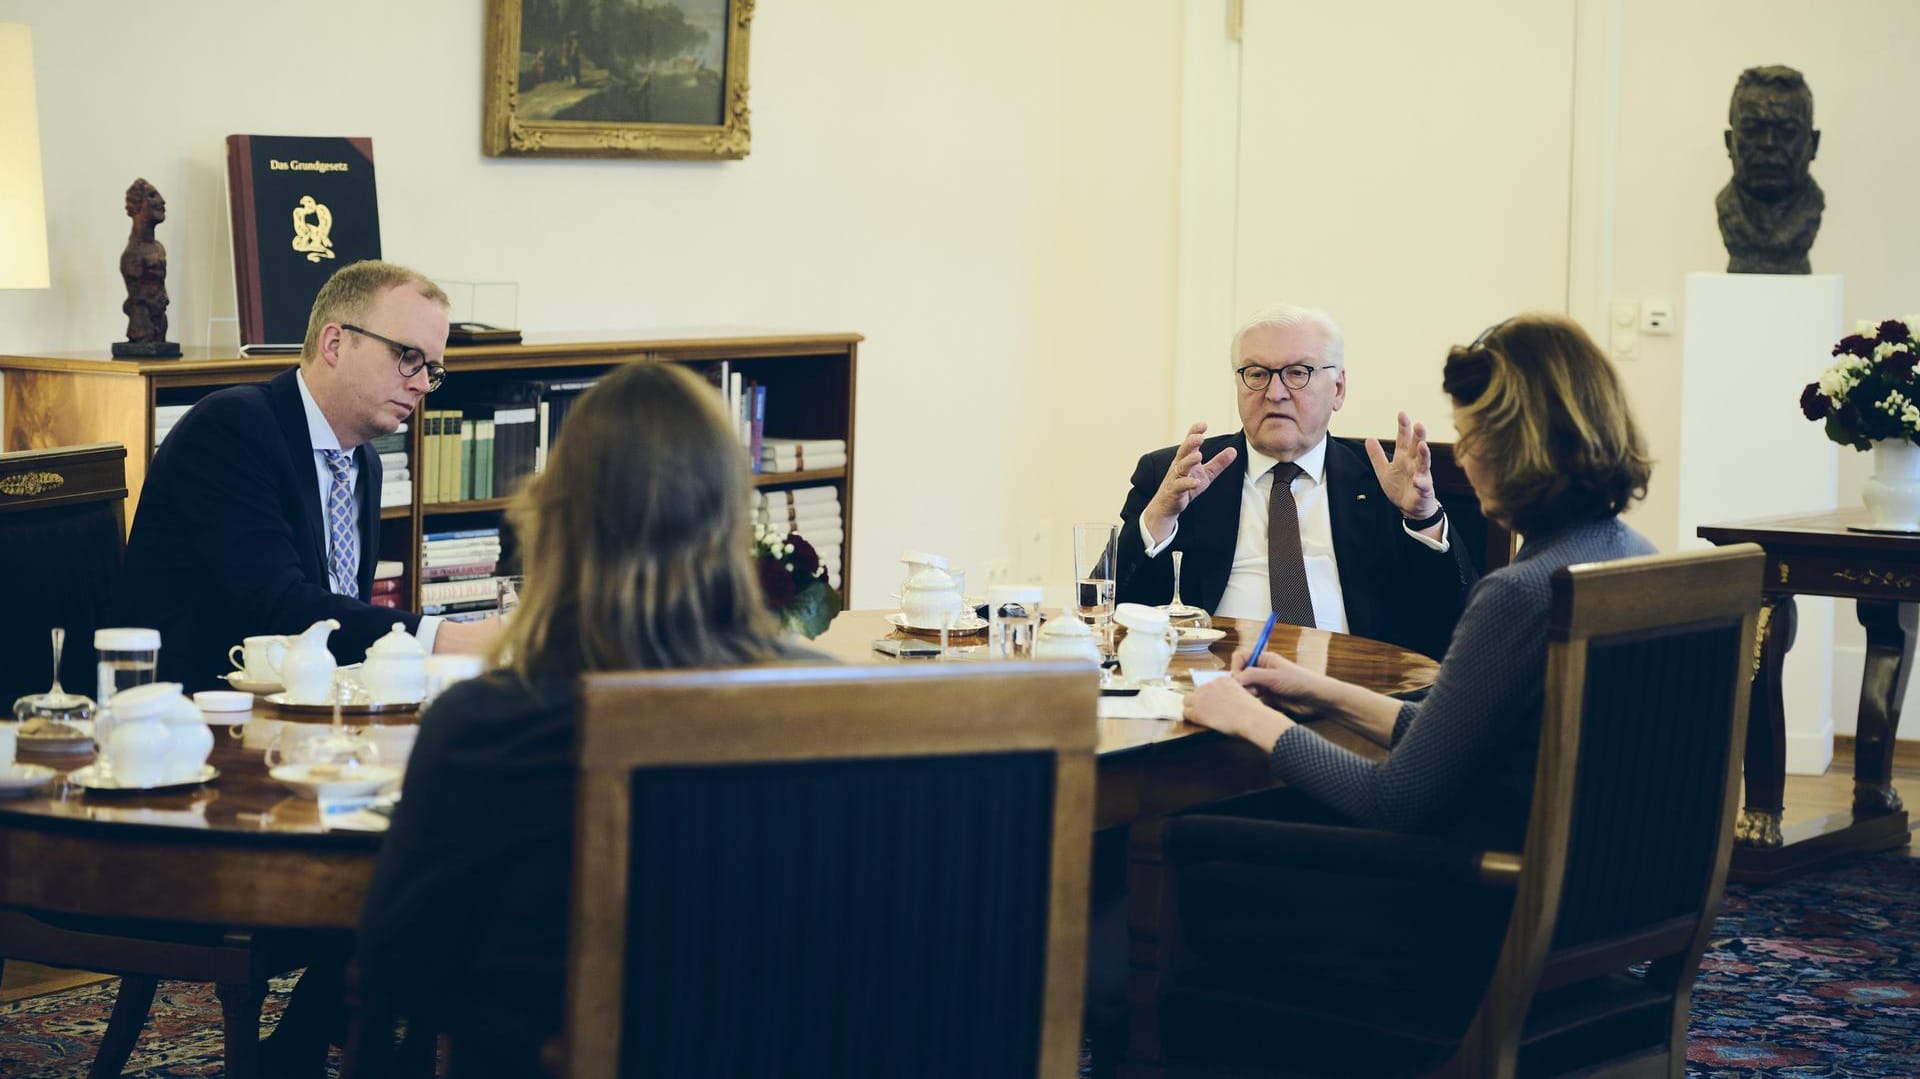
(1854, 345)
(776, 582)
(1893, 330)
(1848, 416)
(1813, 403)
(806, 560)
(1898, 365)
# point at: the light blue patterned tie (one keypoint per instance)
(343, 537)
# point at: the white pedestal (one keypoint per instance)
(1751, 343)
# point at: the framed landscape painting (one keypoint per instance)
(617, 78)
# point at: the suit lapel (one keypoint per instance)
(1350, 492)
(283, 395)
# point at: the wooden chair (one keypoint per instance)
(797, 871)
(1627, 846)
(62, 528)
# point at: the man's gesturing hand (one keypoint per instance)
(1187, 476)
(1408, 478)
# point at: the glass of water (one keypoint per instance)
(1094, 545)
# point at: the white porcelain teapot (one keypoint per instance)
(930, 594)
(1066, 637)
(1150, 642)
(307, 670)
(158, 737)
(396, 668)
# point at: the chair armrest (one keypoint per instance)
(1357, 851)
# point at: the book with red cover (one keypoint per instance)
(302, 208)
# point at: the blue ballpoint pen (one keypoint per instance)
(1260, 642)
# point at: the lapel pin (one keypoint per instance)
(1361, 497)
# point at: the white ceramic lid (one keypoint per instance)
(1141, 617)
(154, 698)
(397, 642)
(931, 579)
(1066, 626)
(126, 639)
(934, 560)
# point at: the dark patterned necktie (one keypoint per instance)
(1286, 569)
(343, 536)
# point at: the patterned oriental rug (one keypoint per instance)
(1817, 978)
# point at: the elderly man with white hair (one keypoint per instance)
(1343, 542)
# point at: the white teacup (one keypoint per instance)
(259, 658)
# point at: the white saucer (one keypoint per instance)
(92, 778)
(962, 625)
(366, 779)
(1195, 639)
(239, 681)
(18, 779)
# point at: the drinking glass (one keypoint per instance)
(1093, 576)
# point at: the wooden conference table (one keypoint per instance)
(241, 854)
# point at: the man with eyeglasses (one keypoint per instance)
(261, 509)
(1345, 543)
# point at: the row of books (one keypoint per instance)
(386, 585)
(800, 454)
(457, 573)
(396, 479)
(482, 449)
(812, 512)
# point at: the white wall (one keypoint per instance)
(985, 190)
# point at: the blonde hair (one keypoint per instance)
(636, 539)
(1545, 412)
(351, 291)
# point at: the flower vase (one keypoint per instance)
(1892, 493)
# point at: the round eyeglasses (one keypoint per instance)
(1293, 376)
(410, 359)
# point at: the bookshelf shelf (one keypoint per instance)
(471, 505)
(808, 378)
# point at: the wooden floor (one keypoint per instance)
(1807, 797)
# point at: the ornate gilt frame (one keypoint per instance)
(503, 133)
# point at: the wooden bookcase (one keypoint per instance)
(68, 399)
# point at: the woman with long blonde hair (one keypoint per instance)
(636, 546)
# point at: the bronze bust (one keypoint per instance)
(143, 266)
(1770, 211)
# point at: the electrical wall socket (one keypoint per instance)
(1036, 545)
(1656, 317)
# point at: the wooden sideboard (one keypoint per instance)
(65, 399)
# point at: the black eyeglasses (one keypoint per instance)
(410, 359)
(1293, 376)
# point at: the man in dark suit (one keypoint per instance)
(1362, 545)
(261, 510)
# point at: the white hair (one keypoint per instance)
(1287, 316)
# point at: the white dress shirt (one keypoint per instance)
(320, 432)
(1248, 594)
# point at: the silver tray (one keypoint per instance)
(91, 778)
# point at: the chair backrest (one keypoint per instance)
(62, 528)
(1489, 543)
(801, 870)
(1648, 670)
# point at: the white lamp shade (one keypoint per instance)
(23, 207)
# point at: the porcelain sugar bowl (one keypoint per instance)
(396, 668)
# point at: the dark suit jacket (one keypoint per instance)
(229, 540)
(1395, 588)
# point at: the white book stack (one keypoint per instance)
(164, 417)
(802, 454)
(813, 512)
(396, 479)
